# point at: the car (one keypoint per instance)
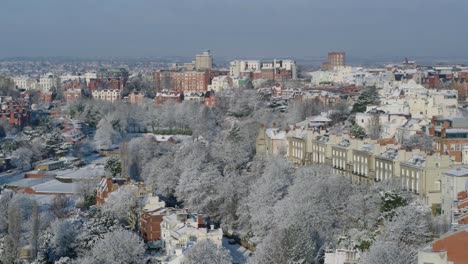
(9, 171)
(232, 242)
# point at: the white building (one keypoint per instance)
(110, 95)
(238, 67)
(412, 98)
(219, 83)
(453, 182)
(24, 82)
(342, 256)
(47, 82)
(385, 124)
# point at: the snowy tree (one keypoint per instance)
(106, 135)
(423, 142)
(95, 225)
(62, 243)
(141, 154)
(22, 158)
(60, 205)
(390, 202)
(123, 204)
(113, 166)
(384, 252)
(369, 96)
(299, 110)
(295, 244)
(117, 247)
(358, 132)
(198, 189)
(402, 236)
(163, 174)
(5, 199)
(412, 226)
(54, 144)
(271, 187)
(206, 252)
(87, 192)
(13, 239)
(34, 235)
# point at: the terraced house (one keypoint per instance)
(421, 174)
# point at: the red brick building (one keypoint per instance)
(182, 81)
(106, 186)
(335, 60)
(150, 223)
(450, 135)
(15, 112)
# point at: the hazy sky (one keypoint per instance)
(233, 28)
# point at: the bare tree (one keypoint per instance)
(60, 205)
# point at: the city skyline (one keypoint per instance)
(232, 29)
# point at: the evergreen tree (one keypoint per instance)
(369, 96)
(113, 166)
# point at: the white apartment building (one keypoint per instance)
(384, 124)
(111, 95)
(87, 76)
(47, 82)
(412, 98)
(239, 66)
(24, 82)
(219, 83)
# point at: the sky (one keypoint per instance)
(233, 28)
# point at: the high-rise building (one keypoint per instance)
(335, 60)
(203, 61)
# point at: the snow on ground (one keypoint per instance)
(6, 178)
(239, 254)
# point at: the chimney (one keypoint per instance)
(443, 133)
(200, 223)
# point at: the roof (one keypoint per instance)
(367, 147)
(319, 119)
(344, 143)
(390, 153)
(459, 172)
(411, 122)
(275, 133)
(417, 160)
